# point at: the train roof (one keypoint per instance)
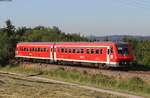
(70, 43)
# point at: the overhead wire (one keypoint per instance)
(5, 0)
(144, 4)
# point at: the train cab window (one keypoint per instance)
(92, 51)
(69, 50)
(74, 51)
(87, 51)
(82, 51)
(62, 50)
(97, 51)
(111, 50)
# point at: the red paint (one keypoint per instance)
(56, 48)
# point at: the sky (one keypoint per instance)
(87, 17)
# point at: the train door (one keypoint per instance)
(51, 52)
(54, 55)
(108, 55)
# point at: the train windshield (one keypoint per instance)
(123, 50)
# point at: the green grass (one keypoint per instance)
(134, 85)
(22, 87)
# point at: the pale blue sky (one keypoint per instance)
(88, 17)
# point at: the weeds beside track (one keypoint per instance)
(134, 85)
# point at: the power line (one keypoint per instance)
(144, 2)
(136, 3)
(133, 2)
(6, 0)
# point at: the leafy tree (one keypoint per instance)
(10, 29)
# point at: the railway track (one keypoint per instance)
(114, 72)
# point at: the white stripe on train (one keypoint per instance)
(113, 64)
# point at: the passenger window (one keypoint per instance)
(24, 49)
(69, 50)
(87, 51)
(78, 50)
(108, 51)
(42, 50)
(101, 51)
(45, 50)
(66, 50)
(39, 49)
(30, 49)
(97, 51)
(74, 51)
(58, 49)
(33, 49)
(82, 51)
(62, 50)
(92, 51)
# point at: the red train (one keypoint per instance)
(108, 54)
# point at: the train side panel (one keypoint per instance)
(33, 51)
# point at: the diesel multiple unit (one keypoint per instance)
(110, 54)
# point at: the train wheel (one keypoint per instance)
(102, 66)
(58, 62)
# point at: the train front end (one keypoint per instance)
(124, 55)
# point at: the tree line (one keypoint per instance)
(10, 36)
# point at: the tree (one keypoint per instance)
(10, 29)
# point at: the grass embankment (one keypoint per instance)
(22, 87)
(134, 85)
